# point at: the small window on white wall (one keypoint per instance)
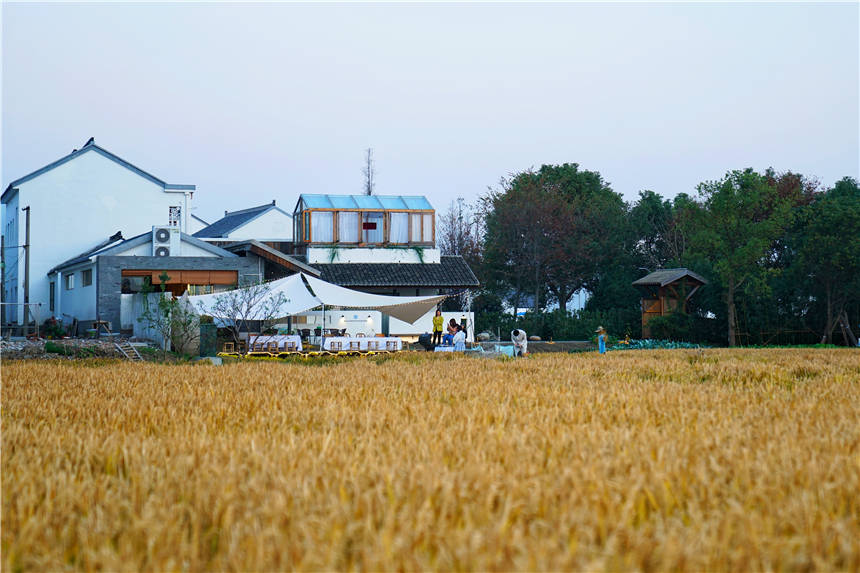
(174, 213)
(70, 282)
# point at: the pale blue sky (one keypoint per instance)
(260, 102)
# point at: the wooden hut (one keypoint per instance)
(664, 291)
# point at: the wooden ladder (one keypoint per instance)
(129, 351)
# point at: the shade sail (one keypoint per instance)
(406, 308)
(300, 299)
(297, 299)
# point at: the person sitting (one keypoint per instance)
(448, 339)
(438, 323)
(521, 342)
(460, 340)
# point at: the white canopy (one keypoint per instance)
(299, 299)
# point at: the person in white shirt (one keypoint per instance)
(460, 340)
(520, 340)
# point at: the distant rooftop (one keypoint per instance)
(663, 277)
(232, 220)
(369, 202)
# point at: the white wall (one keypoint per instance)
(186, 249)
(79, 302)
(370, 322)
(371, 255)
(273, 225)
(12, 219)
(79, 204)
(194, 225)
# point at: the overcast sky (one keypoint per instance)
(259, 102)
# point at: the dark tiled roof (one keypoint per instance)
(232, 221)
(663, 277)
(452, 271)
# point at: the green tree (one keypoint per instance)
(829, 252)
(738, 220)
(552, 230)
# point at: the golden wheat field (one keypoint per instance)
(653, 460)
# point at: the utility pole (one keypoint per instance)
(27, 274)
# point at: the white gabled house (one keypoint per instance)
(71, 204)
(99, 283)
(266, 223)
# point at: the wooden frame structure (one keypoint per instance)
(370, 210)
(664, 291)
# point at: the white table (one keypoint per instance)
(382, 342)
(444, 349)
(281, 339)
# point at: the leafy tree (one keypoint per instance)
(829, 252)
(243, 307)
(552, 229)
(738, 220)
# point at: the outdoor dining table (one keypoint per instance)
(281, 339)
(381, 341)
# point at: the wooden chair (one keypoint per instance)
(272, 347)
(243, 346)
(229, 347)
(391, 345)
(305, 333)
(336, 346)
(354, 346)
(290, 346)
(258, 347)
(359, 335)
(373, 345)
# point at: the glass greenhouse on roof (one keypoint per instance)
(362, 220)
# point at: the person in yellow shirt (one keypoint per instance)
(438, 323)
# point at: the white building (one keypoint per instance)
(73, 203)
(100, 283)
(267, 223)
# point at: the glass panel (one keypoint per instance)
(322, 226)
(367, 202)
(392, 202)
(417, 203)
(428, 228)
(347, 227)
(316, 201)
(343, 202)
(372, 227)
(399, 228)
(415, 218)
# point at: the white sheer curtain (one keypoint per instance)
(416, 227)
(428, 228)
(347, 227)
(399, 228)
(322, 227)
(373, 227)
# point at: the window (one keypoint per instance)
(52, 296)
(70, 282)
(322, 226)
(421, 227)
(399, 229)
(372, 227)
(173, 216)
(347, 226)
(86, 277)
